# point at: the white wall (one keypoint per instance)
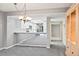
(10, 30)
(3, 28)
(0, 30)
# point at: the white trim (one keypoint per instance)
(48, 31)
(23, 45)
(48, 47)
(2, 48)
(10, 46)
(32, 45)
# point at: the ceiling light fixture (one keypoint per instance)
(24, 18)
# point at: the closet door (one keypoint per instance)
(73, 27)
(73, 34)
(68, 35)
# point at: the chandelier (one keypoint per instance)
(24, 18)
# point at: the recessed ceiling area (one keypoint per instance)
(8, 7)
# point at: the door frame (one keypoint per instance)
(61, 29)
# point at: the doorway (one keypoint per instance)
(56, 32)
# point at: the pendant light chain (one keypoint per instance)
(23, 18)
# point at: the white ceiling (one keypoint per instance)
(6, 7)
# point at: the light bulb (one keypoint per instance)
(20, 17)
(28, 18)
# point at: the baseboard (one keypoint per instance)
(31, 45)
(2, 48)
(48, 47)
(10, 46)
(24, 45)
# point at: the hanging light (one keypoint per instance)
(20, 17)
(24, 18)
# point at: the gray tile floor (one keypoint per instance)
(33, 51)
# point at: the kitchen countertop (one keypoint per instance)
(22, 32)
